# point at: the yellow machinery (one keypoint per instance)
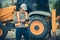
(6, 13)
(38, 26)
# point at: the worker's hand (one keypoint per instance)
(27, 21)
(26, 25)
(17, 24)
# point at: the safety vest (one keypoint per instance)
(23, 16)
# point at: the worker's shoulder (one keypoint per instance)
(26, 12)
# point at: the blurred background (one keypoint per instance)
(53, 4)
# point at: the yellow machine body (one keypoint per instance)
(7, 13)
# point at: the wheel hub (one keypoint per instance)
(36, 27)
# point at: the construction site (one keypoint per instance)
(43, 17)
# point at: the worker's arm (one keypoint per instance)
(27, 18)
(26, 15)
(18, 19)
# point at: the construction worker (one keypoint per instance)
(22, 15)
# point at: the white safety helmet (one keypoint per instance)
(23, 6)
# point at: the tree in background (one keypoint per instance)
(57, 7)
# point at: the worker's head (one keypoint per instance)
(23, 6)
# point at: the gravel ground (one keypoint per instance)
(57, 38)
(12, 36)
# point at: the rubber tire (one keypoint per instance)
(46, 28)
(4, 33)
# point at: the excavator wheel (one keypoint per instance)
(3, 33)
(38, 27)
